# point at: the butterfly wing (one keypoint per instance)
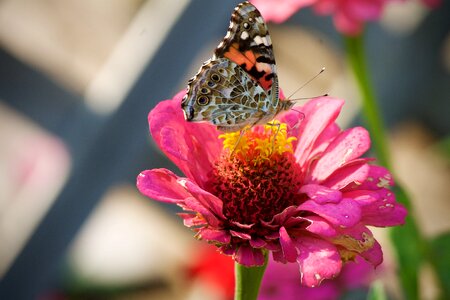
(248, 44)
(225, 95)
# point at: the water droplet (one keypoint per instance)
(346, 216)
(389, 205)
(317, 276)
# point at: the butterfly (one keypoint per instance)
(238, 86)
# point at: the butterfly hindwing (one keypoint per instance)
(224, 94)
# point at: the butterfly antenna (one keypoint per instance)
(306, 83)
(307, 98)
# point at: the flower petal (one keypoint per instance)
(191, 146)
(378, 177)
(346, 213)
(374, 255)
(287, 246)
(317, 259)
(208, 200)
(354, 172)
(320, 226)
(347, 146)
(249, 256)
(161, 185)
(319, 113)
(216, 235)
(384, 211)
(321, 194)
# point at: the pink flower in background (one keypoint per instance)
(281, 282)
(302, 191)
(349, 16)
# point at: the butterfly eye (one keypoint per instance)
(202, 100)
(222, 71)
(204, 91)
(215, 77)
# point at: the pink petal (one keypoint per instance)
(359, 240)
(346, 24)
(346, 213)
(208, 200)
(319, 114)
(193, 204)
(320, 227)
(324, 139)
(374, 255)
(191, 219)
(249, 257)
(191, 146)
(355, 172)
(377, 178)
(241, 235)
(257, 243)
(384, 211)
(279, 11)
(321, 194)
(287, 245)
(161, 185)
(278, 256)
(220, 236)
(318, 260)
(364, 10)
(348, 145)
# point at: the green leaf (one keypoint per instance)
(440, 259)
(410, 249)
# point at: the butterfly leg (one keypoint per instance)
(278, 126)
(241, 134)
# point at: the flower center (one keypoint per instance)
(257, 176)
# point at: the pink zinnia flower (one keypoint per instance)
(349, 16)
(300, 190)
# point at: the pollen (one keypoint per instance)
(259, 144)
(257, 176)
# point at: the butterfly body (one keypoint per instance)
(238, 86)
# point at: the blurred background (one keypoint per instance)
(77, 80)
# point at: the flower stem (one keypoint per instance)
(248, 280)
(408, 241)
(356, 57)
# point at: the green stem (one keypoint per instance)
(248, 280)
(407, 240)
(356, 57)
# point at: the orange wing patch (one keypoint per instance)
(248, 59)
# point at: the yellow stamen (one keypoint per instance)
(259, 144)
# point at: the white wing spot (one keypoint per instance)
(258, 40)
(244, 35)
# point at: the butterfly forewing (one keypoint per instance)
(248, 44)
